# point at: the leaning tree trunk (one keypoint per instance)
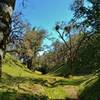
(6, 9)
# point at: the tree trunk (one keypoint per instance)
(6, 9)
(0, 66)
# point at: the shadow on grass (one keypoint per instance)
(10, 80)
(91, 92)
(68, 82)
(17, 96)
(71, 99)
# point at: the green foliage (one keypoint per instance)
(87, 16)
(88, 57)
(62, 70)
(43, 69)
(33, 40)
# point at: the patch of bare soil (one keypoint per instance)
(72, 92)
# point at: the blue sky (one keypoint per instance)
(45, 13)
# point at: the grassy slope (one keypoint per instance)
(19, 82)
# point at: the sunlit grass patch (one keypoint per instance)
(56, 93)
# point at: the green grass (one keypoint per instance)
(19, 83)
(56, 93)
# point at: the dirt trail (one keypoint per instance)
(72, 92)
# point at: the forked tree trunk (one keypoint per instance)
(6, 9)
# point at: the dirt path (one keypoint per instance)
(72, 92)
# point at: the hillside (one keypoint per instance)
(19, 83)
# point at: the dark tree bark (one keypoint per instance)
(0, 66)
(6, 10)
